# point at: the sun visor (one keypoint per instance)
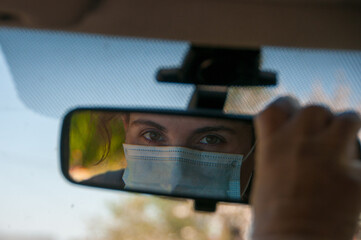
(49, 14)
(332, 24)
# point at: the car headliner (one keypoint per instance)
(332, 24)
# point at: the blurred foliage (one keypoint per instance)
(96, 138)
(140, 218)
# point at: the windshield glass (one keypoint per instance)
(45, 74)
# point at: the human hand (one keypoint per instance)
(304, 186)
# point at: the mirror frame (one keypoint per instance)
(64, 143)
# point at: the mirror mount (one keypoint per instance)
(217, 66)
(205, 205)
(213, 70)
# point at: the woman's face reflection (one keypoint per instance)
(206, 134)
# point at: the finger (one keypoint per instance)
(353, 169)
(275, 115)
(313, 119)
(355, 150)
(344, 127)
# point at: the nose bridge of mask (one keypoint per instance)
(184, 169)
(151, 152)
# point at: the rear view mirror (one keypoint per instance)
(199, 155)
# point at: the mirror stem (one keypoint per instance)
(205, 205)
(208, 97)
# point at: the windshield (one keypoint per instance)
(45, 74)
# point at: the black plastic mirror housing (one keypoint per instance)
(203, 155)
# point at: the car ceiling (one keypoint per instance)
(332, 24)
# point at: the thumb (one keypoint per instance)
(275, 115)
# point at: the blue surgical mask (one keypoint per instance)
(183, 171)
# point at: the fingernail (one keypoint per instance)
(288, 99)
(350, 115)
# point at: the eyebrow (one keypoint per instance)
(149, 123)
(214, 129)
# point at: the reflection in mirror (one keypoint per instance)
(183, 156)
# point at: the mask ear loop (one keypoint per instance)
(250, 177)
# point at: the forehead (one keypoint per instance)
(188, 121)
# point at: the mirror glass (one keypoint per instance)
(169, 154)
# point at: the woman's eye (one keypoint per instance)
(210, 140)
(153, 136)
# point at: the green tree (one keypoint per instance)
(95, 143)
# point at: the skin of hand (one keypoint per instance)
(303, 188)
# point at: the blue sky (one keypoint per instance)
(45, 74)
